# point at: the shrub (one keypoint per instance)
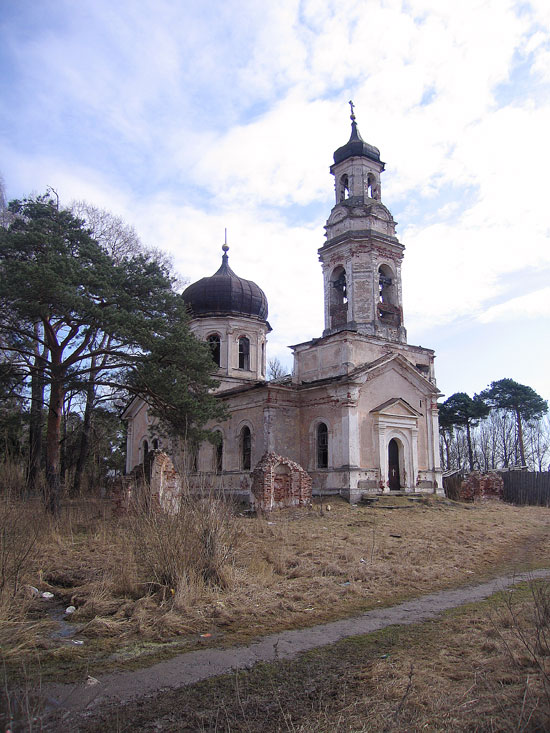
(19, 528)
(175, 552)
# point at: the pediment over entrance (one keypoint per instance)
(396, 406)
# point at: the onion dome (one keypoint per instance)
(225, 294)
(356, 146)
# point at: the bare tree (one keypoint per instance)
(275, 370)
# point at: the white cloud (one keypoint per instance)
(532, 306)
(186, 119)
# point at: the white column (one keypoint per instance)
(383, 456)
(414, 457)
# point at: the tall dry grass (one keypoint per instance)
(522, 629)
(21, 526)
(178, 553)
(12, 479)
(146, 577)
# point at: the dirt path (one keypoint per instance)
(186, 669)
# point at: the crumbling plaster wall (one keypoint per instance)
(138, 429)
(343, 352)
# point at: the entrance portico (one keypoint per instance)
(396, 429)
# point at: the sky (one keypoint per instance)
(185, 119)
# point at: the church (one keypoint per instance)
(359, 412)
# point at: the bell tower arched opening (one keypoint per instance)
(344, 192)
(373, 186)
(388, 306)
(338, 297)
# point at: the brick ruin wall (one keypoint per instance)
(158, 477)
(278, 482)
(481, 486)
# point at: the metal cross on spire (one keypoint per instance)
(352, 107)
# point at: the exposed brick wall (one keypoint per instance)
(279, 482)
(481, 486)
(124, 488)
(166, 483)
(157, 476)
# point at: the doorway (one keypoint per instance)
(394, 479)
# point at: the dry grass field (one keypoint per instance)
(148, 586)
(482, 668)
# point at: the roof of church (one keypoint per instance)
(225, 293)
(356, 146)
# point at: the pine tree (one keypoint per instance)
(461, 410)
(519, 399)
(89, 307)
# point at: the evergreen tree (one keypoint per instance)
(63, 296)
(461, 410)
(519, 399)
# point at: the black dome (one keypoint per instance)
(226, 294)
(356, 146)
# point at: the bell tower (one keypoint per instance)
(361, 258)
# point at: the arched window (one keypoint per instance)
(344, 188)
(144, 450)
(218, 454)
(246, 448)
(244, 353)
(214, 343)
(322, 445)
(155, 444)
(195, 458)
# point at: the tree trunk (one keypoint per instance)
(86, 431)
(55, 413)
(469, 441)
(520, 437)
(447, 450)
(63, 442)
(36, 417)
